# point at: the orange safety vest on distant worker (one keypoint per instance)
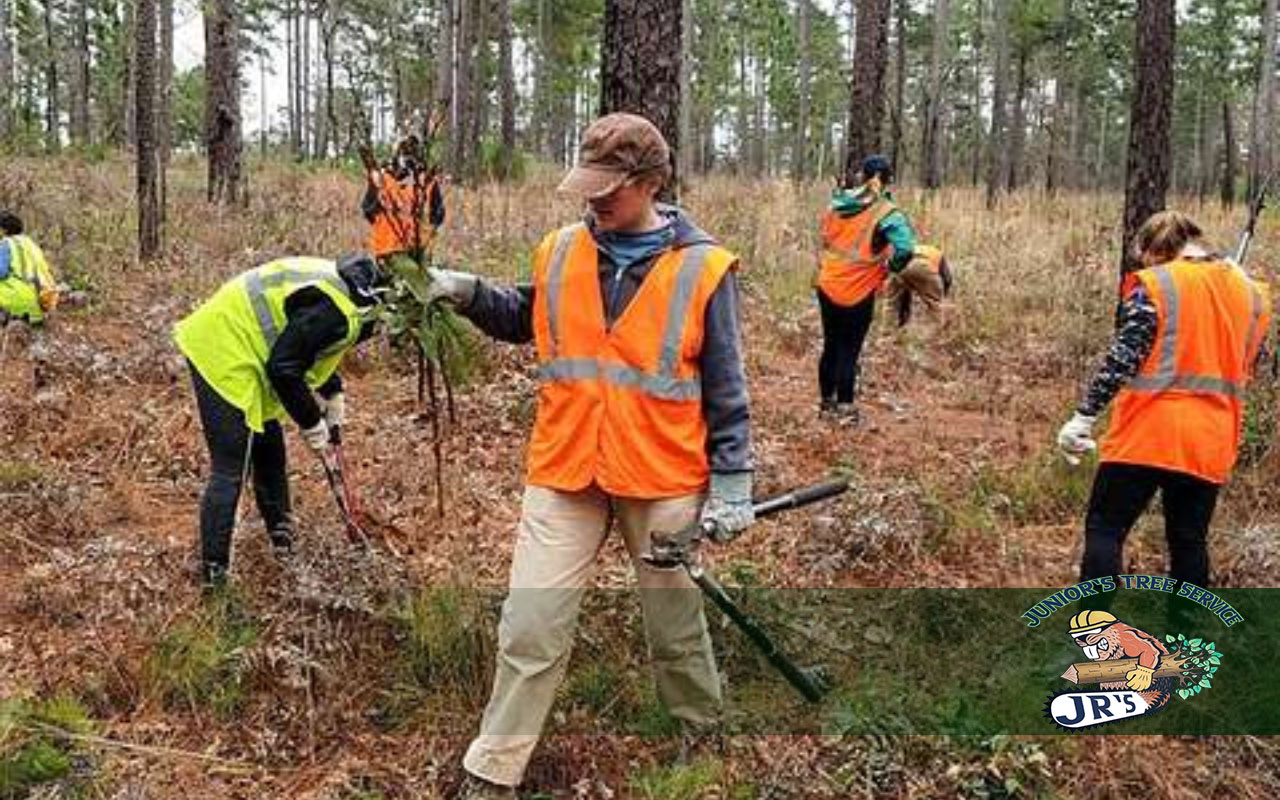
(620, 405)
(396, 228)
(1184, 409)
(849, 270)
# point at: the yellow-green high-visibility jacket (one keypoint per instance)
(30, 288)
(229, 338)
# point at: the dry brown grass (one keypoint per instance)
(956, 485)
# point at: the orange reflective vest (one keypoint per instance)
(848, 269)
(396, 227)
(620, 405)
(1183, 411)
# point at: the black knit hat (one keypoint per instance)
(10, 223)
(361, 273)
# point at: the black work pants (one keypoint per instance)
(844, 330)
(231, 444)
(1121, 492)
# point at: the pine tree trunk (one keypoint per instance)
(866, 105)
(800, 151)
(507, 88)
(975, 102)
(444, 68)
(932, 138)
(6, 72)
(53, 139)
(1227, 189)
(164, 112)
(478, 125)
(1147, 173)
(743, 122)
(148, 186)
(1262, 133)
(80, 76)
(464, 38)
(640, 70)
(899, 86)
(997, 142)
(1018, 131)
(308, 126)
(290, 76)
(222, 102)
(686, 146)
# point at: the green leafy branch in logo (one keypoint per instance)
(1199, 663)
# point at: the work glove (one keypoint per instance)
(729, 508)
(335, 409)
(450, 286)
(1076, 438)
(317, 437)
(1139, 678)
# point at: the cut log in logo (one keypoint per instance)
(1136, 673)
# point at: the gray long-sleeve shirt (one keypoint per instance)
(506, 313)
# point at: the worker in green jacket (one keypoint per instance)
(267, 345)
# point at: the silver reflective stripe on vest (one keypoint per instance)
(664, 384)
(256, 285)
(665, 387)
(1166, 377)
(555, 281)
(678, 308)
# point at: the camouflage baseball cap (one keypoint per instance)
(614, 148)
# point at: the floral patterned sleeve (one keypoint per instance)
(1135, 336)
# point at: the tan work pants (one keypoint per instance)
(560, 536)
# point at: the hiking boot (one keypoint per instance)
(827, 407)
(213, 577)
(281, 540)
(475, 788)
(847, 414)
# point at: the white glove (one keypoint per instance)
(317, 437)
(458, 288)
(1076, 438)
(335, 409)
(729, 507)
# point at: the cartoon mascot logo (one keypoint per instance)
(1136, 673)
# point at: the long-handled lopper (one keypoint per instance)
(336, 474)
(680, 549)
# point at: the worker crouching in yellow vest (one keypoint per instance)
(266, 345)
(28, 289)
(926, 277)
(1191, 327)
(643, 419)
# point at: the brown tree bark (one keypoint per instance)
(52, 127)
(899, 84)
(866, 105)
(1150, 114)
(79, 81)
(997, 142)
(6, 72)
(148, 189)
(164, 110)
(975, 100)
(507, 88)
(1227, 188)
(800, 152)
(1018, 130)
(222, 103)
(464, 39)
(932, 138)
(1111, 671)
(1262, 134)
(640, 69)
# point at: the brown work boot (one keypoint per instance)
(475, 788)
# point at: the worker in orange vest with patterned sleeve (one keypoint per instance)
(643, 420)
(1191, 326)
(396, 200)
(865, 238)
